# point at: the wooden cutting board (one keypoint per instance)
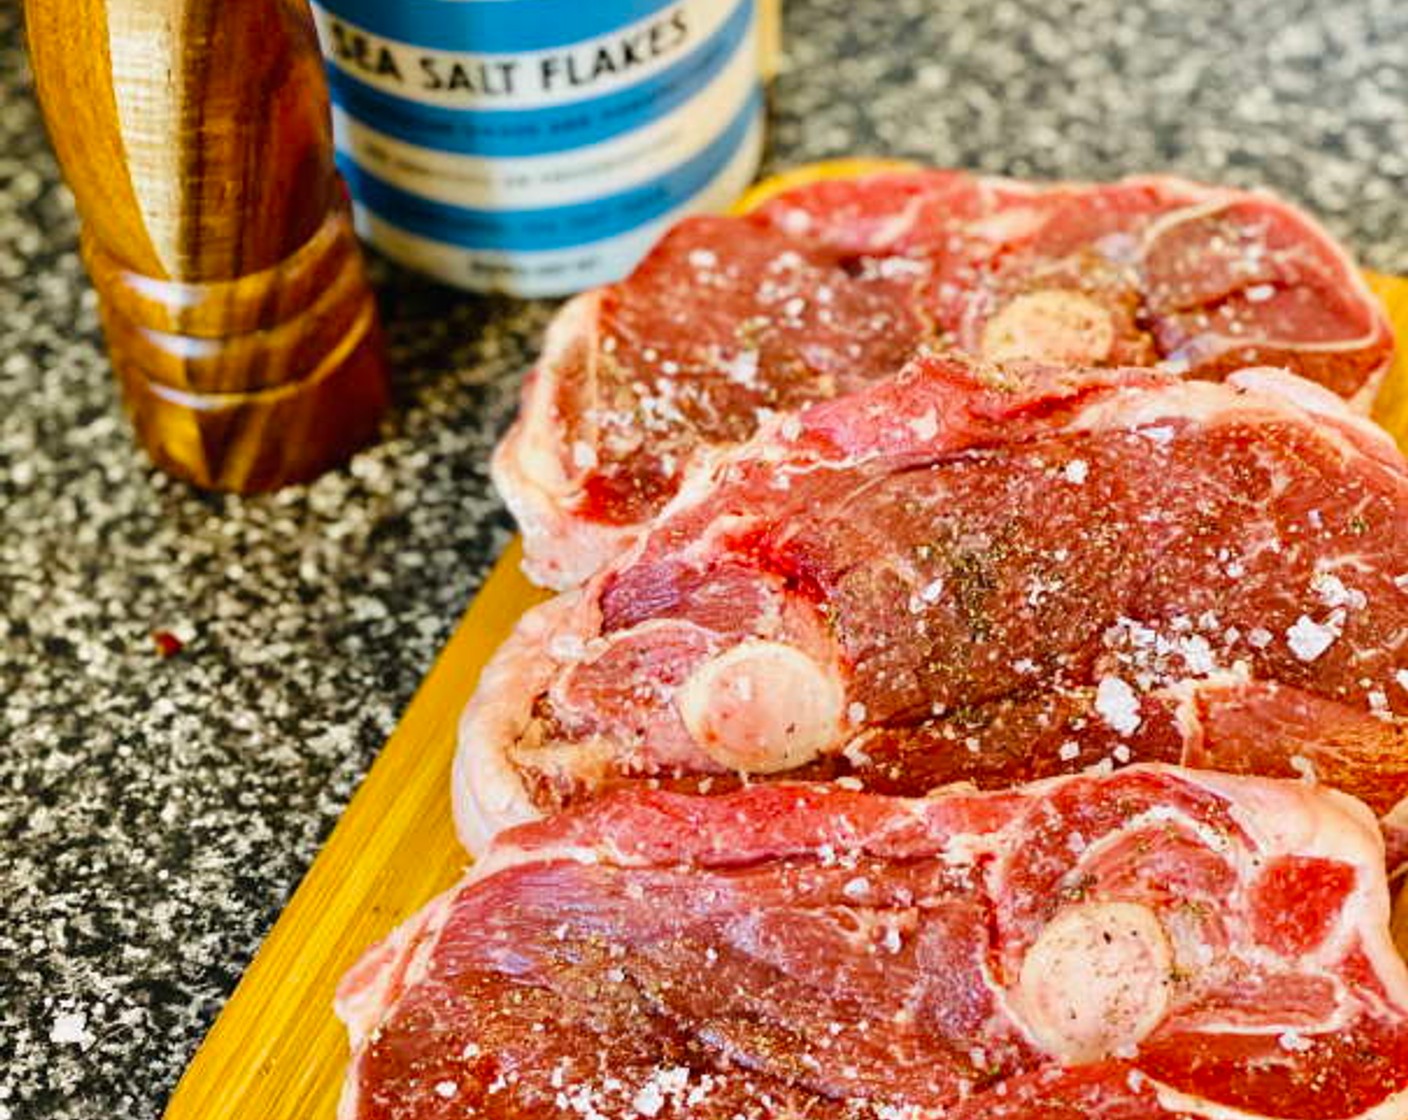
(277, 1052)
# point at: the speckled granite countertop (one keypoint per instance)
(155, 814)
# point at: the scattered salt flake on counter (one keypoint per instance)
(1117, 705)
(1077, 471)
(71, 1029)
(1308, 639)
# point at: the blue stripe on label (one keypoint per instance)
(553, 128)
(493, 26)
(557, 227)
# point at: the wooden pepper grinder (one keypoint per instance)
(195, 136)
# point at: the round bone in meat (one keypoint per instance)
(762, 707)
(1096, 981)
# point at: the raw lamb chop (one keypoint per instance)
(1153, 943)
(829, 286)
(962, 575)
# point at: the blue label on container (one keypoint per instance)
(506, 132)
(556, 227)
(495, 26)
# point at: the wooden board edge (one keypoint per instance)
(1391, 406)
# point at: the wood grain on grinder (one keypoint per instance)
(237, 312)
(277, 1052)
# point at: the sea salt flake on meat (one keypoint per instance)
(1294, 1042)
(446, 1089)
(1309, 639)
(925, 427)
(583, 455)
(857, 888)
(1117, 705)
(1304, 767)
(703, 258)
(1077, 470)
(897, 268)
(1260, 293)
(1069, 750)
(743, 368)
(567, 647)
(1197, 655)
(1333, 592)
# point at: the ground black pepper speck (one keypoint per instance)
(156, 812)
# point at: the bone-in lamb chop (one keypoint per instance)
(831, 285)
(967, 574)
(1152, 943)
